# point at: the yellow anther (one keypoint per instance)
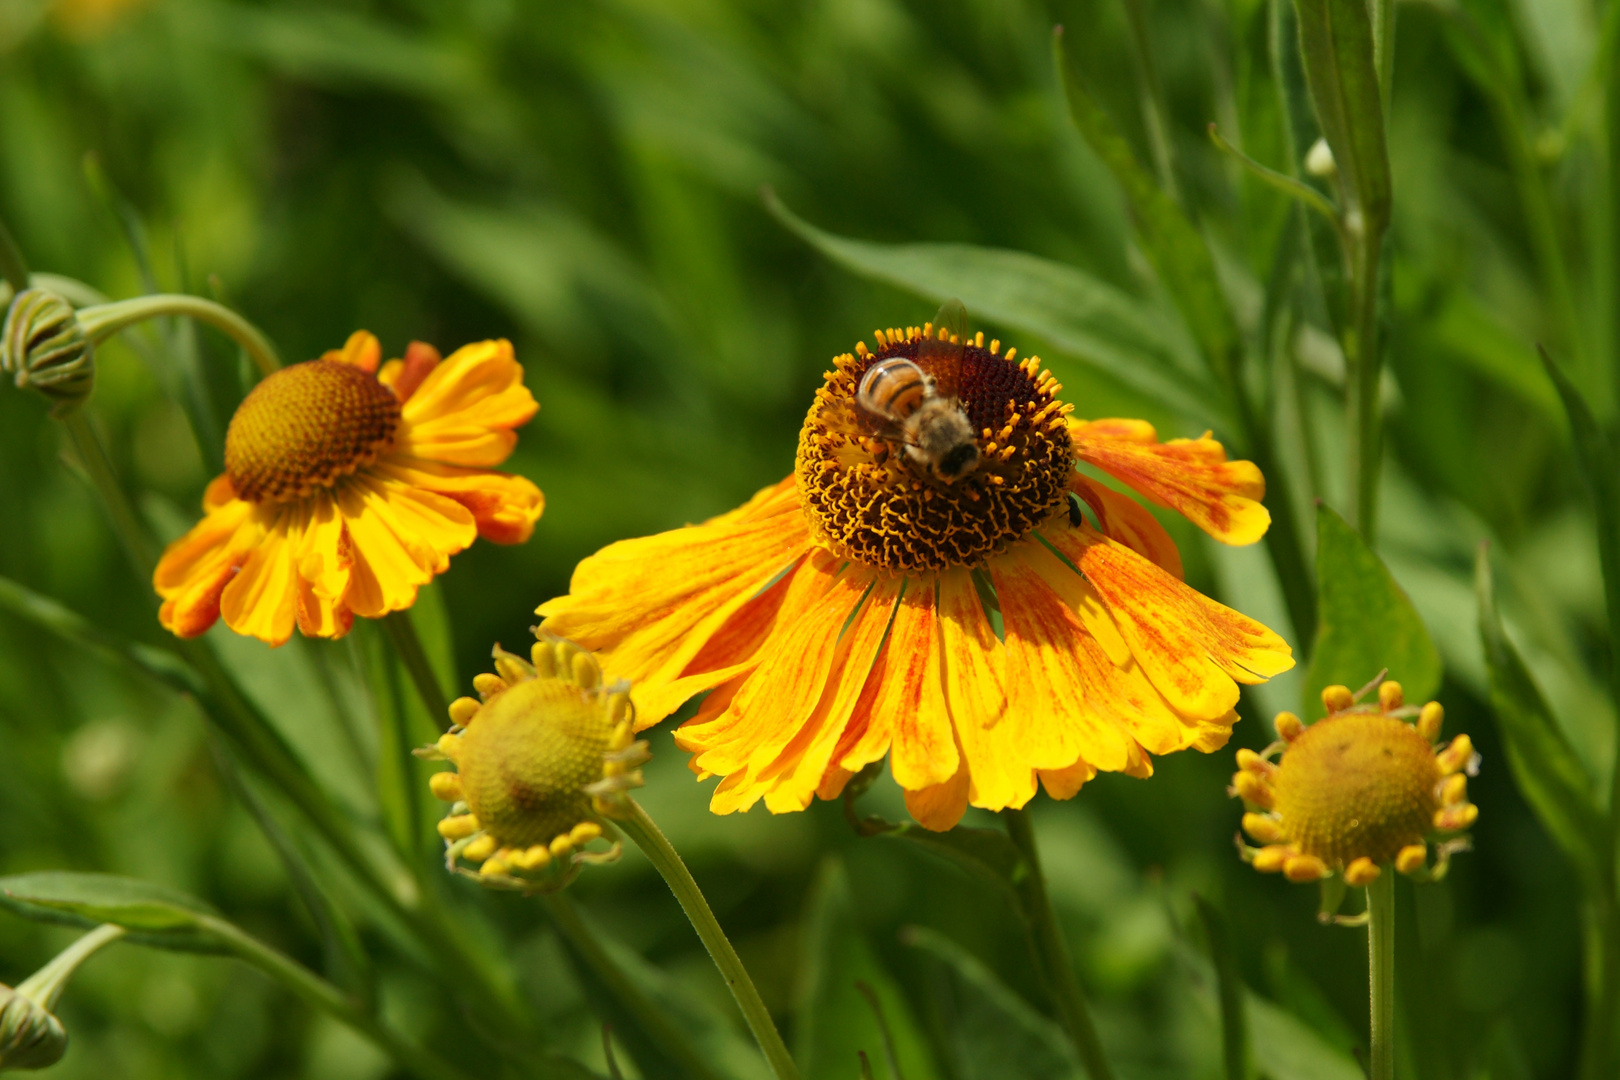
(1389, 696)
(1456, 818)
(1455, 757)
(562, 847)
(462, 710)
(1251, 789)
(459, 827)
(1269, 860)
(512, 669)
(622, 735)
(494, 868)
(584, 833)
(537, 857)
(1304, 868)
(449, 745)
(544, 659)
(1412, 858)
(1249, 761)
(1453, 790)
(1430, 719)
(1265, 830)
(446, 786)
(1363, 871)
(1288, 726)
(487, 685)
(1337, 699)
(586, 672)
(480, 849)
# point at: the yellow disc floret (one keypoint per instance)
(305, 427)
(1356, 791)
(540, 763)
(869, 500)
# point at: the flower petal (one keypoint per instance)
(504, 507)
(974, 663)
(942, 805)
(262, 599)
(362, 350)
(1129, 522)
(1191, 476)
(195, 569)
(908, 713)
(465, 409)
(400, 537)
(1049, 669)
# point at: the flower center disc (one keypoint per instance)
(1357, 785)
(527, 757)
(304, 427)
(867, 498)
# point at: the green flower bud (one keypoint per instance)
(43, 346)
(30, 1037)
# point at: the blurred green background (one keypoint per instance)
(583, 177)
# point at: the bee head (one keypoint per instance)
(957, 462)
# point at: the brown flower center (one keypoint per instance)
(873, 495)
(305, 427)
(1354, 785)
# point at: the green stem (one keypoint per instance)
(1361, 378)
(104, 320)
(416, 1060)
(125, 522)
(13, 267)
(1383, 29)
(656, 846)
(1381, 974)
(669, 1039)
(402, 632)
(44, 986)
(1052, 949)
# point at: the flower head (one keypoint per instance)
(31, 1037)
(1356, 791)
(970, 623)
(346, 488)
(541, 760)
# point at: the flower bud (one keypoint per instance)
(30, 1037)
(43, 346)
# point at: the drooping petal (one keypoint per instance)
(908, 713)
(974, 664)
(1191, 476)
(195, 569)
(262, 599)
(400, 537)
(465, 410)
(504, 507)
(1129, 522)
(940, 806)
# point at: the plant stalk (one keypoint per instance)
(1381, 974)
(1052, 950)
(44, 986)
(104, 320)
(656, 846)
(402, 632)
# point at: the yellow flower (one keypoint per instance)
(347, 488)
(979, 631)
(540, 761)
(1356, 791)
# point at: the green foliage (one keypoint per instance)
(1367, 621)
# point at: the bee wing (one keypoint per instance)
(940, 353)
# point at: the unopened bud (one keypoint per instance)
(30, 1037)
(1319, 160)
(42, 346)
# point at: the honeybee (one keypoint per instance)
(909, 409)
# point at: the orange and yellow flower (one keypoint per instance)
(347, 487)
(982, 633)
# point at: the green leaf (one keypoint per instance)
(153, 914)
(1543, 763)
(1080, 315)
(1174, 246)
(1595, 456)
(988, 1031)
(1336, 46)
(835, 1021)
(1366, 622)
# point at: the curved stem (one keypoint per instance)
(125, 522)
(656, 846)
(416, 1060)
(44, 986)
(1052, 950)
(1381, 974)
(402, 633)
(104, 320)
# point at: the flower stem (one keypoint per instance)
(44, 986)
(656, 846)
(402, 632)
(105, 320)
(120, 512)
(1052, 950)
(1381, 974)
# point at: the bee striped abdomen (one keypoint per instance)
(893, 388)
